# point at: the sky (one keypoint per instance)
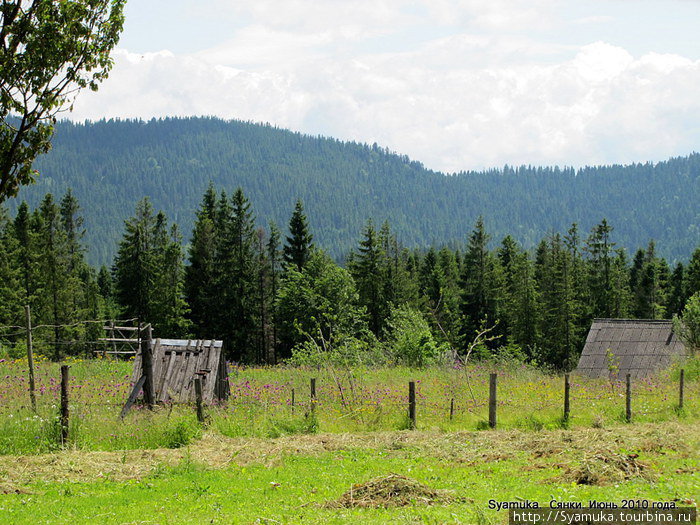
(455, 84)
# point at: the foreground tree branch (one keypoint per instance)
(49, 51)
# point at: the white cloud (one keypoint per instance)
(464, 98)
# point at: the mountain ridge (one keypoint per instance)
(111, 164)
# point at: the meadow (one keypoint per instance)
(267, 456)
(275, 401)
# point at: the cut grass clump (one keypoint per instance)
(603, 468)
(11, 489)
(393, 490)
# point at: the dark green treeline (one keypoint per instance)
(271, 295)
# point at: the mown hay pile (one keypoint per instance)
(391, 491)
(11, 489)
(607, 467)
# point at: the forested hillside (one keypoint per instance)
(110, 165)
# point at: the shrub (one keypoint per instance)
(180, 433)
(687, 326)
(409, 339)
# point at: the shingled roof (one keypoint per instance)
(640, 347)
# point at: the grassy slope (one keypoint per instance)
(286, 480)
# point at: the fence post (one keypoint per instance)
(64, 404)
(30, 358)
(452, 408)
(292, 400)
(313, 393)
(567, 405)
(492, 400)
(412, 404)
(198, 399)
(681, 388)
(628, 399)
(145, 334)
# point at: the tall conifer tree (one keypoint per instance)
(297, 248)
(480, 293)
(366, 268)
(237, 276)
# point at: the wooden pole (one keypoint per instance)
(145, 333)
(492, 400)
(313, 393)
(64, 404)
(198, 399)
(628, 399)
(452, 408)
(412, 404)
(30, 358)
(567, 405)
(681, 389)
(111, 335)
(292, 400)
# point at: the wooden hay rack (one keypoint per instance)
(175, 365)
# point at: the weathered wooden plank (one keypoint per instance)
(223, 388)
(186, 379)
(203, 366)
(174, 385)
(132, 397)
(212, 366)
(169, 375)
(187, 388)
(164, 373)
(210, 385)
(195, 357)
(158, 364)
(136, 371)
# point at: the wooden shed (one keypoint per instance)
(176, 363)
(638, 347)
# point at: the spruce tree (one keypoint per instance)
(480, 293)
(620, 294)
(11, 307)
(57, 280)
(274, 259)
(650, 276)
(558, 344)
(523, 327)
(692, 283)
(677, 295)
(366, 267)
(134, 266)
(25, 234)
(201, 273)
(149, 273)
(264, 336)
(506, 257)
(237, 274)
(299, 243)
(398, 287)
(169, 308)
(600, 249)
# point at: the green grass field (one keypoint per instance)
(262, 460)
